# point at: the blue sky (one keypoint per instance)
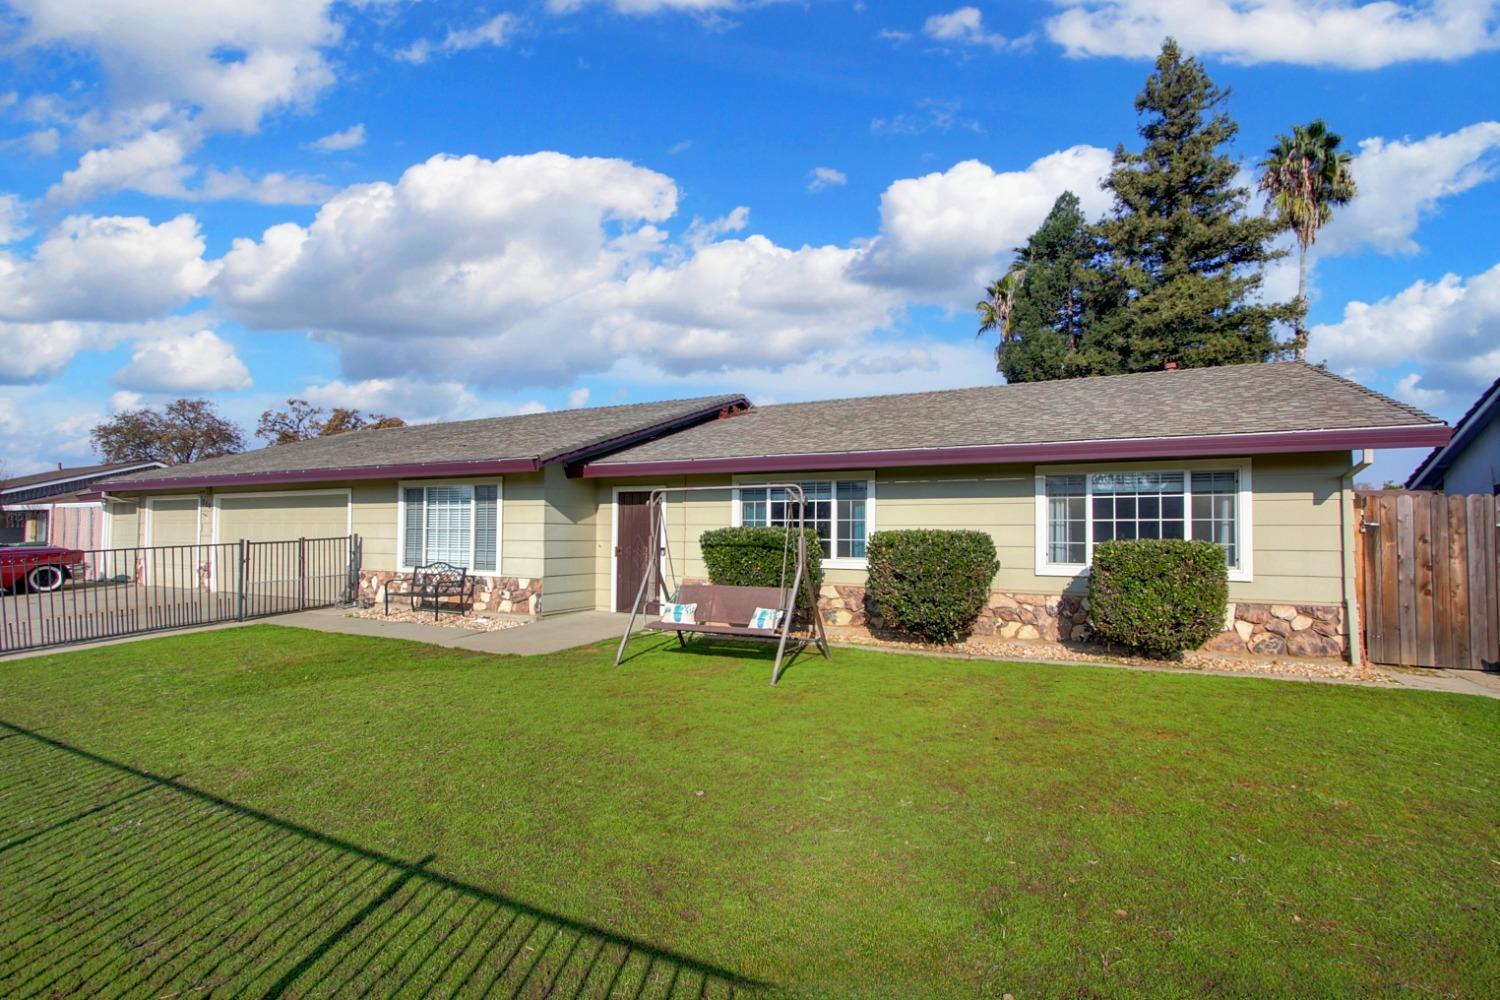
(441, 210)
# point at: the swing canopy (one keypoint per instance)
(727, 611)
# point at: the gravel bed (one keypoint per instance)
(1198, 661)
(481, 622)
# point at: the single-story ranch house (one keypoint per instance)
(549, 508)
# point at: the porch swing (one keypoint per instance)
(724, 610)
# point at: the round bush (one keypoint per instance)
(752, 557)
(1158, 596)
(931, 584)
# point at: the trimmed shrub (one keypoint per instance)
(751, 557)
(931, 584)
(1158, 596)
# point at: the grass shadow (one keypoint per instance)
(116, 881)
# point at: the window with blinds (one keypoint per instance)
(836, 509)
(456, 524)
(1083, 510)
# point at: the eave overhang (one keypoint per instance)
(361, 473)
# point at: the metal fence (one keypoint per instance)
(120, 592)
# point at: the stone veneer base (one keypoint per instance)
(1315, 630)
(504, 594)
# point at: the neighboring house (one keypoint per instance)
(59, 506)
(549, 506)
(1470, 461)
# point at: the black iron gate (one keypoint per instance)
(53, 598)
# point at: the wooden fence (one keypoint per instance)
(1428, 589)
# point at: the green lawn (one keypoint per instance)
(267, 811)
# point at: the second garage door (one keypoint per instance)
(278, 518)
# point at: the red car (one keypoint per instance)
(39, 568)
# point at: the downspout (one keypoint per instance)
(1351, 595)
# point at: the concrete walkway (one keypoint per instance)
(546, 635)
(1475, 682)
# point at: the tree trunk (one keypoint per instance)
(1299, 336)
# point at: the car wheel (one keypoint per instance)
(45, 579)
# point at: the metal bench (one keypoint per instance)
(430, 585)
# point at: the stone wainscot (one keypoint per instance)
(1314, 630)
(519, 595)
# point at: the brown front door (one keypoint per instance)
(633, 549)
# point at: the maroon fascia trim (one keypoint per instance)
(1426, 435)
(362, 472)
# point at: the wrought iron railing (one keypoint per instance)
(53, 599)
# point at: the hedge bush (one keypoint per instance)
(751, 557)
(1158, 596)
(931, 584)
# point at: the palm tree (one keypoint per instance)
(996, 308)
(1306, 175)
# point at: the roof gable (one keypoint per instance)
(1429, 474)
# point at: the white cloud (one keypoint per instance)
(1450, 328)
(578, 397)
(744, 302)
(410, 399)
(10, 422)
(114, 268)
(194, 362)
(269, 189)
(931, 115)
(232, 61)
(944, 235)
(705, 8)
(469, 267)
(1400, 182)
(42, 142)
(155, 163)
(12, 219)
(35, 352)
(537, 269)
(123, 400)
(493, 33)
(894, 36)
(1341, 33)
(334, 142)
(700, 233)
(824, 177)
(151, 163)
(965, 26)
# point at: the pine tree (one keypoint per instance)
(1182, 261)
(1048, 315)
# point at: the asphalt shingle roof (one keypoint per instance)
(66, 475)
(1237, 399)
(539, 436)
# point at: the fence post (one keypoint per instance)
(244, 571)
(302, 574)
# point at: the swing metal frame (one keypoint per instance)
(653, 583)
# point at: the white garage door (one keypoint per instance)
(278, 518)
(172, 520)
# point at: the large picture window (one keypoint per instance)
(838, 509)
(451, 523)
(1083, 509)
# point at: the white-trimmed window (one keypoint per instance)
(1078, 509)
(840, 510)
(457, 523)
